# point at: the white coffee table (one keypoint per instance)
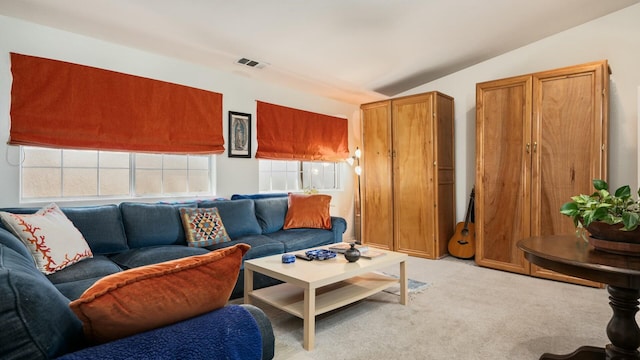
(312, 288)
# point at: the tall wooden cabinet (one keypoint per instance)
(540, 139)
(408, 182)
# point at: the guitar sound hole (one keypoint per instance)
(464, 232)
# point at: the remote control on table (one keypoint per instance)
(303, 257)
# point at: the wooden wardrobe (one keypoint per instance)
(540, 139)
(408, 178)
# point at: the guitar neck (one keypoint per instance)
(467, 216)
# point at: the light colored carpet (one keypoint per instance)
(466, 312)
(414, 286)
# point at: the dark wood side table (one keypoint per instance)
(570, 255)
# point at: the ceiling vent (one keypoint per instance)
(251, 63)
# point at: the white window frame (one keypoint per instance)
(131, 179)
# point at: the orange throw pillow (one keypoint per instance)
(153, 296)
(308, 211)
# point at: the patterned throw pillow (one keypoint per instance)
(52, 239)
(203, 226)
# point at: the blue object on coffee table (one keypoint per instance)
(288, 258)
(320, 254)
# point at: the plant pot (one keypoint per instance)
(611, 238)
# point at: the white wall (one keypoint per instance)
(234, 175)
(615, 37)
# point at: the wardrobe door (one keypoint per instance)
(444, 139)
(413, 175)
(503, 155)
(376, 177)
(569, 130)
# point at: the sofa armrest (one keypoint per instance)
(266, 331)
(338, 226)
(231, 332)
(9, 240)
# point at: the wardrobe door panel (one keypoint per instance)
(503, 151)
(445, 164)
(376, 177)
(568, 106)
(413, 172)
(564, 111)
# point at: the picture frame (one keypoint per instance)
(239, 134)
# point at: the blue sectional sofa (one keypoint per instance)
(34, 311)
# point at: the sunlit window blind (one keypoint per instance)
(290, 134)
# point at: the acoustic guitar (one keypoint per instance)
(462, 244)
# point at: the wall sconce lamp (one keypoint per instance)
(355, 159)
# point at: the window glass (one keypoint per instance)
(114, 182)
(79, 182)
(41, 182)
(39, 157)
(78, 158)
(148, 182)
(277, 175)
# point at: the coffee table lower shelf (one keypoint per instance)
(290, 298)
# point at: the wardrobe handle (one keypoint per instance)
(528, 147)
(535, 146)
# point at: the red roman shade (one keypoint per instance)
(64, 105)
(291, 134)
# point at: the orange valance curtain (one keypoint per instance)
(291, 134)
(64, 105)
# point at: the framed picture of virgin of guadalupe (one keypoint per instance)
(239, 134)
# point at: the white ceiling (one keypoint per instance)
(351, 50)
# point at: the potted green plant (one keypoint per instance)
(605, 215)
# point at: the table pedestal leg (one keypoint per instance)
(622, 329)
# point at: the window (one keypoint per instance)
(89, 174)
(280, 175)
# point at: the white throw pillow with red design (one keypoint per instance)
(52, 239)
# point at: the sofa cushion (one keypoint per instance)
(36, 320)
(152, 224)
(11, 241)
(298, 239)
(74, 289)
(52, 239)
(154, 254)
(271, 212)
(203, 226)
(261, 246)
(97, 266)
(74, 280)
(238, 216)
(105, 236)
(152, 296)
(308, 211)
